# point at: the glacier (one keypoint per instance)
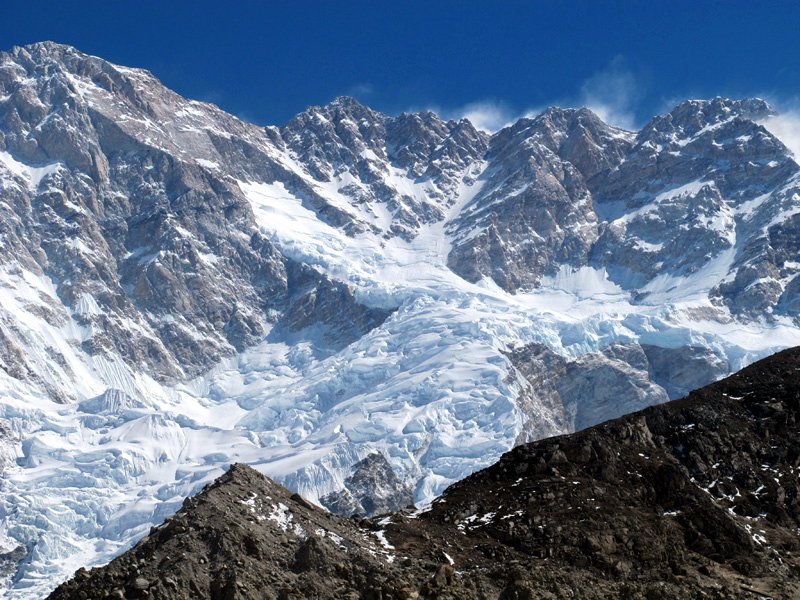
(97, 446)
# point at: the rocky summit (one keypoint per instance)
(365, 307)
(697, 498)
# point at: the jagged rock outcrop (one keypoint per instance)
(565, 189)
(372, 489)
(621, 379)
(366, 155)
(532, 214)
(695, 498)
(685, 167)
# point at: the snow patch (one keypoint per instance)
(32, 175)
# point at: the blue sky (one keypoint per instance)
(493, 61)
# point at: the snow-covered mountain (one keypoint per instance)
(180, 290)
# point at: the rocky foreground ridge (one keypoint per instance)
(697, 498)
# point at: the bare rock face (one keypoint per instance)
(372, 489)
(534, 212)
(699, 140)
(621, 379)
(596, 385)
(766, 280)
(318, 307)
(694, 498)
(682, 370)
(582, 138)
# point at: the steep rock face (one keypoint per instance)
(699, 139)
(372, 489)
(682, 370)
(594, 386)
(766, 279)
(320, 306)
(688, 167)
(153, 245)
(695, 498)
(400, 172)
(532, 214)
(581, 138)
(566, 190)
(620, 379)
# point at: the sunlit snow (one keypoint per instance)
(431, 388)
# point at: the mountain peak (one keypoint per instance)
(556, 112)
(566, 119)
(39, 54)
(754, 107)
(47, 47)
(346, 103)
(333, 113)
(42, 60)
(692, 116)
(561, 120)
(577, 135)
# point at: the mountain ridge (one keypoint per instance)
(182, 290)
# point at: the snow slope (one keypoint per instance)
(98, 443)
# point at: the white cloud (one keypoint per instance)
(786, 127)
(361, 90)
(613, 94)
(487, 115)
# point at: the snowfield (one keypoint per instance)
(97, 444)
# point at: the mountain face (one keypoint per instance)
(180, 290)
(372, 489)
(697, 498)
